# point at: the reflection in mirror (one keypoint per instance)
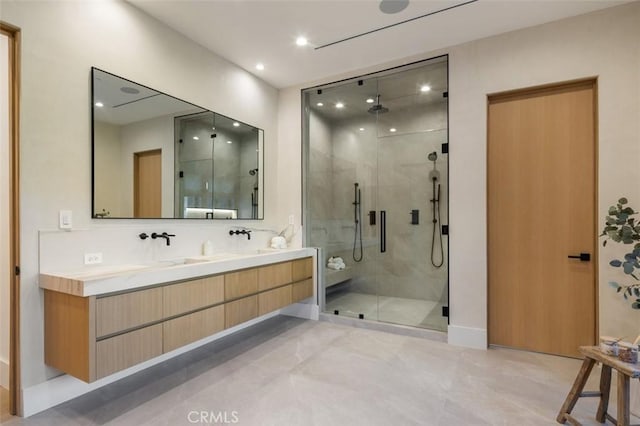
(155, 156)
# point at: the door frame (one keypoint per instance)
(534, 91)
(14, 35)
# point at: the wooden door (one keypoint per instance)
(541, 209)
(147, 184)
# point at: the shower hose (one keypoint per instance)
(437, 230)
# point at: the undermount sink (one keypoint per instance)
(213, 257)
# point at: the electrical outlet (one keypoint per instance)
(291, 219)
(92, 258)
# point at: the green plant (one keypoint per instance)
(622, 227)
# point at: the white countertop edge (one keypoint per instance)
(155, 275)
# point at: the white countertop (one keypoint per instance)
(103, 279)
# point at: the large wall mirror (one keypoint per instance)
(156, 156)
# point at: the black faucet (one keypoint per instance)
(241, 232)
(163, 235)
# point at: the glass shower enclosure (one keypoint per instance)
(375, 194)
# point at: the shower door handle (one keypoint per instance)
(383, 231)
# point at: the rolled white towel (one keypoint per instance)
(333, 266)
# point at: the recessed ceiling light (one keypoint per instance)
(370, 100)
(236, 124)
(301, 41)
(195, 138)
(213, 128)
(425, 88)
(319, 104)
(392, 130)
(129, 90)
(229, 142)
(260, 66)
(339, 105)
(99, 104)
(393, 6)
(362, 129)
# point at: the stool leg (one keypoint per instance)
(576, 390)
(605, 390)
(623, 399)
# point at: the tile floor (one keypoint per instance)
(287, 371)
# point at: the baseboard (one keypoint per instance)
(63, 388)
(4, 374)
(467, 336)
(302, 310)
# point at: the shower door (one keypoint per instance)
(411, 271)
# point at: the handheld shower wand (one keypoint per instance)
(357, 218)
(434, 176)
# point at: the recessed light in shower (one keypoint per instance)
(129, 90)
(229, 142)
(370, 100)
(393, 6)
(339, 105)
(301, 41)
(319, 104)
(425, 88)
(236, 124)
(392, 130)
(99, 104)
(260, 66)
(362, 129)
(195, 138)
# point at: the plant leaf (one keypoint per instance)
(615, 263)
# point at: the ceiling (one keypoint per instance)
(246, 32)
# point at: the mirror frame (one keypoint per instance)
(260, 160)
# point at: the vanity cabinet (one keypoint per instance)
(95, 336)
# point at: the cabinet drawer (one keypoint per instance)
(190, 328)
(302, 269)
(302, 290)
(128, 310)
(123, 351)
(241, 283)
(274, 299)
(240, 310)
(188, 296)
(274, 275)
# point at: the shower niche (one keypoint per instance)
(376, 193)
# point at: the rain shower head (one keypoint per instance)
(433, 156)
(378, 108)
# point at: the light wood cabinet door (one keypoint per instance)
(274, 275)
(128, 310)
(240, 310)
(302, 269)
(193, 327)
(271, 300)
(241, 283)
(191, 295)
(128, 349)
(302, 290)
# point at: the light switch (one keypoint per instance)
(66, 219)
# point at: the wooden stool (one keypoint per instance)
(625, 372)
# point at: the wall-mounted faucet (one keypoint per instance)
(241, 232)
(163, 235)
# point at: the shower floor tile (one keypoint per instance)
(397, 310)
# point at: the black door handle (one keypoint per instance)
(584, 257)
(383, 231)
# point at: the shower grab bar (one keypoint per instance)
(383, 231)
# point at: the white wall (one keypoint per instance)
(107, 171)
(5, 266)
(60, 43)
(603, 44)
